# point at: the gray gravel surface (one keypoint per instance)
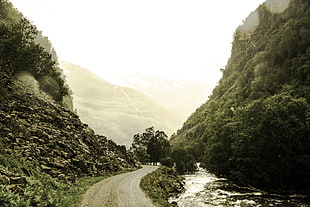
(119, 191)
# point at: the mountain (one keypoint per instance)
(178, 97)
(254, 129)
(44, 146)
(115, 111)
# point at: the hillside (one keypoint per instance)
(115, 111)
(254, 129)
(44, 147)
(178, 97)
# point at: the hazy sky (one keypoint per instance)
(180, 39)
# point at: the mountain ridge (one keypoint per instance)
(116, 111)
(254, 129)
(179, 97)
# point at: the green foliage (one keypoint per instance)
(151, 146)
(40, 190)
(184, 161)
(142, 155)
(19, 51)
(274, 153)
(158, 146)
(7, 12)
(168, 162)
(162, 184)
(255, 126)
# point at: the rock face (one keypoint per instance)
(54, 137)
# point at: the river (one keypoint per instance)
(204, 189)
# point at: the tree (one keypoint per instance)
(158, 146)
(271, 142)
(184, 161)
(255, 125)
(151, 145)
(19, 52)
(139, 146)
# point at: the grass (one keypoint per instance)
(162, 184)
(41, 189)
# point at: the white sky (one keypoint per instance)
(179, 39)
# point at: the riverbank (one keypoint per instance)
(205, 189)
(162, 184)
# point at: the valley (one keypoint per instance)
(138, 102)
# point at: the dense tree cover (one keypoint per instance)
(275, 151)
(20, 51)
(7, 12)
(185, 162)
(255, 125)
(153, 146)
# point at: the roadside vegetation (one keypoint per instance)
(153, 147)
(34, 187)
(23, 184)
(162, 184)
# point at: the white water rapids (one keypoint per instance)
(204, 189)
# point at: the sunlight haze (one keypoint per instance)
(182, 40)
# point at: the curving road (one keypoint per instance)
(119, 191)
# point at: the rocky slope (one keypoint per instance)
(44, 146)
(56, 138)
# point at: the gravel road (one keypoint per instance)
(119, 191)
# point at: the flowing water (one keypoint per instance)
(205, 190)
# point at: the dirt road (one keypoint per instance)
(119, 191)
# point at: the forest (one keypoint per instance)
(254, 128)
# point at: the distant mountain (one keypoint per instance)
(115, 111)
(179, 97)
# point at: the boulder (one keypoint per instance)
(4, 180)
(18, 180)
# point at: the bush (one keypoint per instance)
(162, 184)
(168, 162)
(40, 189)
(184, 162)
